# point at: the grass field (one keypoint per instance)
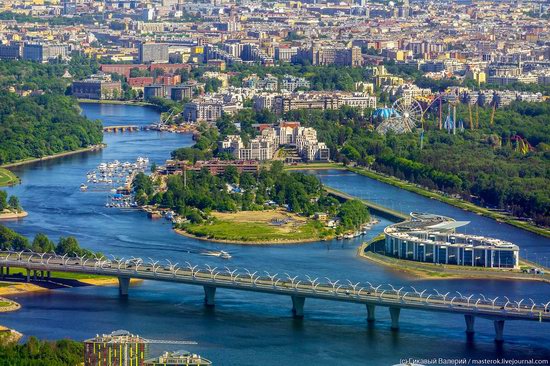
(4, 304)
(258, 227)
(7, 178)
(61, 275)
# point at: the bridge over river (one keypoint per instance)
(498, 309)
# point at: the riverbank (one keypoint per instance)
(11, 215)
(118, 102)
(16, 283)
(315, 166)
(54, 156)
(457, 202)
(7, 178)
(257, 228)
(442, 271)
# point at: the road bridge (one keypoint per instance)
(122, 128)
(498, 309)
(375, 208)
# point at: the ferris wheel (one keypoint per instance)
(406, 115)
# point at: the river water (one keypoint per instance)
(248, 328)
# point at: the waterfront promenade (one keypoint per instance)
(297, 288)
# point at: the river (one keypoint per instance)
(247, 328)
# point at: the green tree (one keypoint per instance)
(42, 244)
(3, 200)
(67, 245)
(14, 204)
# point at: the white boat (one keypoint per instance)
(83, 187)
(220, 254)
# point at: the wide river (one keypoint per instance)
(249, 328)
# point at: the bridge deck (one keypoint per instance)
(294, 287)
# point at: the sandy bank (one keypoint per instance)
(10, 215)
(105, 281)
(14, 288)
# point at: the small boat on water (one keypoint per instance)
(220, 254)
(83, 187)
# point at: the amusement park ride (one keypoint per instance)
(408, 114)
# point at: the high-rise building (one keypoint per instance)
(153, 52)
(12, 51)
(43, 52)
(118, 348)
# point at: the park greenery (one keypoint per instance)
(488, 165)
(41, 125)
(35, 352)
(10, 240)
(196, 195)
(7, 178)
(11, 203)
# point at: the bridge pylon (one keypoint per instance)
(370, 313)
(470, 319)
(123, 284)
(209, 295)
(298, 306)
(499, 330)
(394, 313)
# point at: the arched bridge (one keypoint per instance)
(122, 128)
(297, 288)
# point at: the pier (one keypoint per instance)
(497, 310)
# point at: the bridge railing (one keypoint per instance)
(284, 283)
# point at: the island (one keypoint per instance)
(241, 202)
(428, 246)
(10, 208)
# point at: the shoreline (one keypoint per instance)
(13, 305)
(14, 287)
(411, 187)
(54, 156)
(236, 242)
(13, 215)
(428, 271)
(7, 178)
(455, 202)
(117, 102)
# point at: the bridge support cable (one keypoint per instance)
(123, 284)
(370, 313)
(209, 295)
(499, 330)
(394, 313)
(298, 306)
(470, 319)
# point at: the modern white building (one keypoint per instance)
(433, 239)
